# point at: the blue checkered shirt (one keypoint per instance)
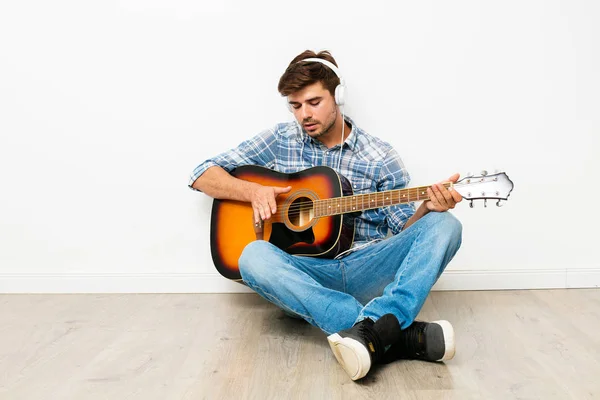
(368, 162)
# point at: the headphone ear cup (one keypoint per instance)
(340, 95)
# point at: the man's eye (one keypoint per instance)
(296, 106)
(315, 103)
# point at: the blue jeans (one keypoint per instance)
(392, 276)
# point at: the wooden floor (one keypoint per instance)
(542, 344)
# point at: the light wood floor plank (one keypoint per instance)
(541, 344)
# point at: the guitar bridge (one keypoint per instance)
(259, 230)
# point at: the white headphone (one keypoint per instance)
(340, 90)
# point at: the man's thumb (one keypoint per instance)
(282, 189)
(454, 178)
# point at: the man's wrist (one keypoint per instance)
(248, 189)
(420, 212)
(423, 210)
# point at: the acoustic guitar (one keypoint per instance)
(316, 218)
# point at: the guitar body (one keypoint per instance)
(293, 228)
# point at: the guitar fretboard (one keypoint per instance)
(369, 201)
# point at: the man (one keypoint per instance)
(365, 300)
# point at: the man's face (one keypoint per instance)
(314, 108)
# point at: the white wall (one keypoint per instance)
(106, 107)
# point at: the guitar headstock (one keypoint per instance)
(485, 187)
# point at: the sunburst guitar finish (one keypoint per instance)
(302, 224)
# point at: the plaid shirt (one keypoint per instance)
(369, 163)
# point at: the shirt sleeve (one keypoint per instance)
(395, 176)
(259, 150)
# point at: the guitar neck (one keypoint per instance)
(369, 201)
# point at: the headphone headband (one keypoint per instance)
(340, 90)
(328, 64)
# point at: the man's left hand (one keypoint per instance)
(440, 198)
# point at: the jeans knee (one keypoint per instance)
(255, 259)
(446, 224)
(452, 225)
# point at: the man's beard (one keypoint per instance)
(328, 127)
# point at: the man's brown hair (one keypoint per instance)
(299, 75)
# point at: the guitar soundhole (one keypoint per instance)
(301, 212)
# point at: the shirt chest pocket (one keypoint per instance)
(362, 186)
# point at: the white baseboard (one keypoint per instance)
(119, 283)
(214, 283)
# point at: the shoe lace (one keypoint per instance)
(366, 331)
(412, 341)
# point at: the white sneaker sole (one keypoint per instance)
(351, 354)
(449, 342)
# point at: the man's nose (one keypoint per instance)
(305, 112)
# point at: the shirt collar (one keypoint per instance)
(352, 139)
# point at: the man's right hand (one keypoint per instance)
(263, 201)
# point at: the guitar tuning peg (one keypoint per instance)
(499, 204)
(485, 203)
(468, 175)
(471, 204)
(484, 173)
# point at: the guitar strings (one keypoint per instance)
(360, 198)
(305, 206)
(410, 193)
(296, 208)
(299, 207)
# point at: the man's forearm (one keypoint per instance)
(219, 184)
(421, 211)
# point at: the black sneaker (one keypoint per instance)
(363, 345)
(429, 341)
